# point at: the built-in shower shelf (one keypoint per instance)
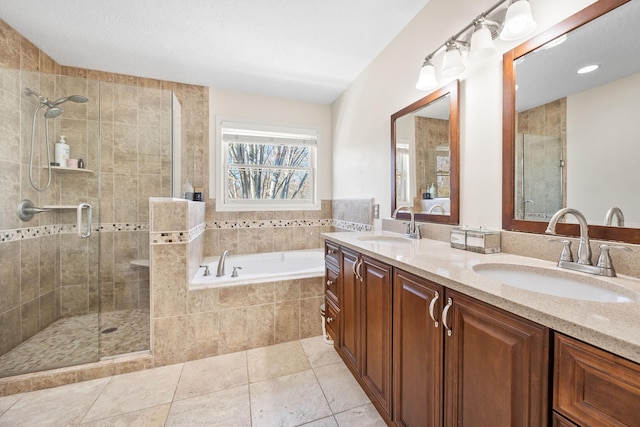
(61, 169)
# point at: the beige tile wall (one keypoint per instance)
(192, 324)
(132, 123)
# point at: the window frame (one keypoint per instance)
(218, 168)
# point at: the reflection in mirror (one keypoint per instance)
(571, 138)
(425, 140)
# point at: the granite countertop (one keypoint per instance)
(614, 327)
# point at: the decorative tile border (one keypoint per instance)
(351, 226)
(228, 225)
(164, 237)
(15, 235)
(7, 236)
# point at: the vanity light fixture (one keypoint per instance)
(519, 21)
(588, 69)
(481, 41)
(452, 63)
(427, 78)
(507, 19)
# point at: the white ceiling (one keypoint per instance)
(610, 42)
(295, 49)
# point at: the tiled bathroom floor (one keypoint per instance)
(292, 384)
(75, 340)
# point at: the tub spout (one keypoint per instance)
(223, 258)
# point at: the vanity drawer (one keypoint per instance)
(331, 252)
(592, 387)
(331, 284)
(332, 319)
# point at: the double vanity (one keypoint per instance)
(442, 336)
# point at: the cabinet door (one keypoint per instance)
(376, 327)
(349, 298)
(496, 367)
(593, 387)
(417, 351)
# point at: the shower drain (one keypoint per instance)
(109, 330)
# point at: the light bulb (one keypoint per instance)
(452, 63)
(481, 43)
(518, 21)
(427, 78)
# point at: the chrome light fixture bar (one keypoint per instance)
(476, 39)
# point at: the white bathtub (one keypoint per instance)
(260, 268)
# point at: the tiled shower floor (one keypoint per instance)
(76, 340)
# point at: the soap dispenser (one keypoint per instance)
(432, 191)
(61, 153)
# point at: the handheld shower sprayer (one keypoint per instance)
(51, 112)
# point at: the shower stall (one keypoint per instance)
(540, 177)
(74, 286)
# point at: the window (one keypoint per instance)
(266, 167)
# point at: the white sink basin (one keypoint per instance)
(384, 239)
(556, 282)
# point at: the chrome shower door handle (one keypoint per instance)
(82, 206)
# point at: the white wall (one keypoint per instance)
(240, 105)
(361, 115)
(598, 174)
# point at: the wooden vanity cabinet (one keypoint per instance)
(592, 387)
(417, 351)
(364, 338)
(496, 366)
(349, 296)
(331, 289)
(490, 370)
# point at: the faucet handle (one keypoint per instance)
(604, 260)
(235, 271)
(565, 255)
(206, 270)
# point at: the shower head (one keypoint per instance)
(74, 98)
(43, 100)
(53, 112)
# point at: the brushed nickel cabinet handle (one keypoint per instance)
(444, 316)
(329, 319)
(432, 306)
(329, 282)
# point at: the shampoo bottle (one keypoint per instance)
(432, 191)
(61, 154)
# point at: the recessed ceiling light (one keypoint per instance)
(588, 69)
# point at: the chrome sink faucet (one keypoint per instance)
(604, 266)
(412, 231)
(223, 258)
(614, 211)
(584, 250)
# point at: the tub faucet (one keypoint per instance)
(412, 232)
(223, 258)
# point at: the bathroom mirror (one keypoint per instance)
(425, 156)
(570, 139)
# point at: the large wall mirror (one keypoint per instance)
(572, 137)
(425, 141)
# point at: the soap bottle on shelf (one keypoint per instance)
(61, 152)
(432, 191)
